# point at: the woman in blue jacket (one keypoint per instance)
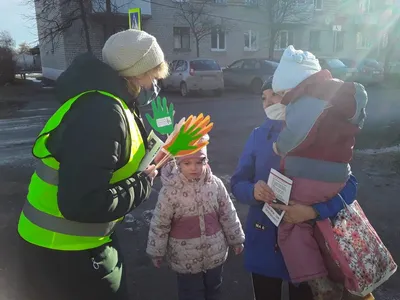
(262, 256)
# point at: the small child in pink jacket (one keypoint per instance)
(193, 225)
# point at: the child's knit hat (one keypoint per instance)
(294, 67)
(202, 153)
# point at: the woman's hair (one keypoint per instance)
(159, 72)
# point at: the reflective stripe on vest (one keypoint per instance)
(41, 222)
(65, 226)
(47, 173)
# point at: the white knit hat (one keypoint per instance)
(294, 67)
(132, 52)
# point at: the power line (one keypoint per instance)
(205, 13)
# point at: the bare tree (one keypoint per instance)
(6, 40)
(7, 62)
(24, 48)
(55, 17)
(283, 13)
(196, 14)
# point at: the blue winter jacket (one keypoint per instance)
(261, 253)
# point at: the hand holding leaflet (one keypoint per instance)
(281, 186)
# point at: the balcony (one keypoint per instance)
(122, 6)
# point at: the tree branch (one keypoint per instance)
(196, 15)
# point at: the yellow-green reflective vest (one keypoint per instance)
(41, 222)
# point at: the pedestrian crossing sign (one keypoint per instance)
(135, 18)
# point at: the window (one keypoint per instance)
(371, 63)
(364, 6)
(269, 66)
(339, 41)
(251, 2)
(249, 64)
(334, 63)
(172, 65)
(251, 40)
(363, 41)
(351, 63)
(204, 65)
(218, 40)
(236, 65)
(318, 4)
(182, 38)
(285, 38)
(315, 40)
(181, 66)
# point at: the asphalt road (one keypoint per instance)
(234, 115)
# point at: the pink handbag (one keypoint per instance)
(359, 252)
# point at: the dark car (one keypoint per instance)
(249, 73)
(369, 70)
(338, 69)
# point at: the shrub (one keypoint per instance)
(7, 66)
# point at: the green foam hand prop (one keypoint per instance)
(163, 116)
(184, 140)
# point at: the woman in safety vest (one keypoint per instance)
(87, 178)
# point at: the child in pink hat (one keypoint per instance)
(193, 226)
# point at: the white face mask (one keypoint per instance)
(276, 111)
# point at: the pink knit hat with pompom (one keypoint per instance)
(202, 153)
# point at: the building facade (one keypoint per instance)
(336, 28)
(349, 29)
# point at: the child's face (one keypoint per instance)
(270, 98)
(192, 168)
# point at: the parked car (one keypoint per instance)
(338, 69)
(249, 73)
(192, 75)
(369, 70)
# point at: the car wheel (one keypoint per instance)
(256, 86)
(218, 92)
(184, 90)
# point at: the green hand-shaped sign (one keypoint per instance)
(163, 116)
(183, 140)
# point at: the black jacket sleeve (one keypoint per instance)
(91, 149)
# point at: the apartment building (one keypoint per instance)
(245, 33)
(340, 28)
(349, 29)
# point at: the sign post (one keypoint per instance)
(335, 29)
(135, 18)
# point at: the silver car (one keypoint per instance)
(192, 75)
(249, 73)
